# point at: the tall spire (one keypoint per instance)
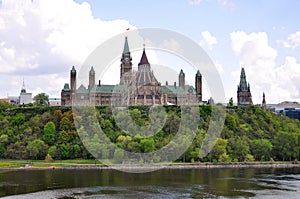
(144, 59)
(23, 90)
(244, 96)
(73, 69)
(92, 70)
(181, 73)
(182, 79)
(264, 103)
(126, 51)
(243, 82)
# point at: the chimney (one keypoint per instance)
(166, 83)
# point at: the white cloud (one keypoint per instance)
(227, 4)
(46, 37)
(219, 67)
(224, 3)
(293, 41)
(208, 39)
(195, 2)
(263, 73)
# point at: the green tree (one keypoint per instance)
(118, 155)
(63, 137)
(52, 151)
(64, 151)
(49, 133)
(219, 149)
(239, 148)
(286, 146)
(37, 148)
(262, 149)
(147, 145)
(65, 124)
(230, 103)
(41, 99)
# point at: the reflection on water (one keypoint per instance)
(167, 183)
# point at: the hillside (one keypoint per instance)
(248, 134)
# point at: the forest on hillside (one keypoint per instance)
(249, 133)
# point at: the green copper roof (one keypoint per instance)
(103, 88)
(178, 90)
(243, 82)
(198, 73)
(73, 69)
(66, 87)
(126, 48)
(82, 89)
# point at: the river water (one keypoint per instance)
(165, 183)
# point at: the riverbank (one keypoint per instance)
(92, 164)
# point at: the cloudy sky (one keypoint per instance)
(40, 40)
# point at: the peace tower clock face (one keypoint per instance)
(126, 59)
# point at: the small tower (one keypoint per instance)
(25, 98)
(23, 90)
(126, 64)
(91, 78)
(244, 96)
(73, 80)
(264, 104)
(198, 86)
(182, 79)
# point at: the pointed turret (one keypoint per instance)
(264, 104)
(182, 79)
(243, 81)
(23, 90)
(73, 79)
(244, 96)
(144, 59)
(91, 78)
(198, 86)
(73, 69)
(144, 74)
(126, 51)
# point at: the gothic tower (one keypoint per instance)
(182, 79)
(91, 78)
(126, 64)
(198, 86)
(73, 80)
(264, 104)
(244, 96)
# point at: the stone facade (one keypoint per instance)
(135, 87)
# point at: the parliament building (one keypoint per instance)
(135, 87)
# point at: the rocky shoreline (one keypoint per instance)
(155, 167)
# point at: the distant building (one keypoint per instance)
(281, 106)
(135, 87)
(292, 113)
(14, 100)
(54, 101)
(244, 96)
(5, 100)
(25, 98)
(290, 109)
